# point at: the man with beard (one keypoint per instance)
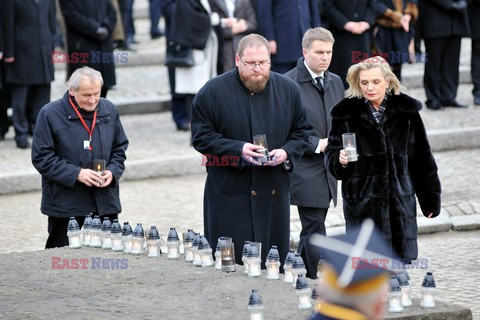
(246, 199)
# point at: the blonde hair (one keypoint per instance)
(353, 77)
(252, 40)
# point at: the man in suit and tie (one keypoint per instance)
(312, 187)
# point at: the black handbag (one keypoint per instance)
(179, 56)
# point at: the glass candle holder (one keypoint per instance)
(127, 237)
(246, 245)
(99, 166)
(254, 260)
(205, 252)
(106, 233)
(218, 254)
(116, 234)
(173, 244)
(350, 146)
(428, 292)
(96, 229)
(255, 306)
(86, 228)
(298, 268)
(287, 267)
(261, 140)
(303, 293)
(405, 289)
(273, 264)
(74, 234)
(197, 258)
(395, 296)
(138, 239)
(187, 245)
(227, 249)
(153, 243)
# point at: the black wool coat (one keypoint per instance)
(241, 201)
(311, 184)
(82, 19)
(473, 18)
(395, 162)
(29, 28)
(58, 155)
(436, 20)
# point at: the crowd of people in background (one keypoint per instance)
(361, 28)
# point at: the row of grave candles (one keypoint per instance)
(197, 250)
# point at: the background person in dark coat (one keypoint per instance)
(89, 25)
(63, 154)
(312, 187)
(4, 96)
(394, 32)
(283, 23)
(442, 25)
(243, 200)
(474, 19)
(394, 163)
(350, 23)
(29, 40)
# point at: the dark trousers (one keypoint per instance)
(5, 99)
(313, 221)
(27, 100)
(128, 24)
(57, 230)
(155, 8)
(441, 71)
(475, 66)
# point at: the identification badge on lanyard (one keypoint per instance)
(86, 145)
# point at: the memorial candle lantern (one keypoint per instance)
(86, 228)
(227, 249)
(173, 244)
(287, 267)
(218, 255)
(273, 264)
(350, 146)
(99, 166)
(428, 291)
(116, 233)
(106, 233)
(138, 239)
(246, 245)
(73, 234)
(127, 237)
(153, 242)
(316, 295)
(205, 252)
(261, 140)
(303, 292)
(95, 231)
(298, 268)
(197, 259)
(395, 296)
(405, 289)
(255, 306)
(187, 245)
(254, 259)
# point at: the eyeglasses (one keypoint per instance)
(252, 65)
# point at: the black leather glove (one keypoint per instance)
(102, 33)
(459, 7)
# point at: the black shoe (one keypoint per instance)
(156, 35)
(2, 137)
(454, 104)
(434, 105)
(476, 100)
(183, 127)
(23, 144)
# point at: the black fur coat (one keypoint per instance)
(395, 163)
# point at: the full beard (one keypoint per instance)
(255, 85)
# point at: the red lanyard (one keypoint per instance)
(90, 131)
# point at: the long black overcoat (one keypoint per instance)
(338, 13)
(311, 184)
(82, 19)
(473, 18)
(58, 155)
(436, 20)
(28, 37)
(395, 162)
(241, 201)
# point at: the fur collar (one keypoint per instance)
(351, 107)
